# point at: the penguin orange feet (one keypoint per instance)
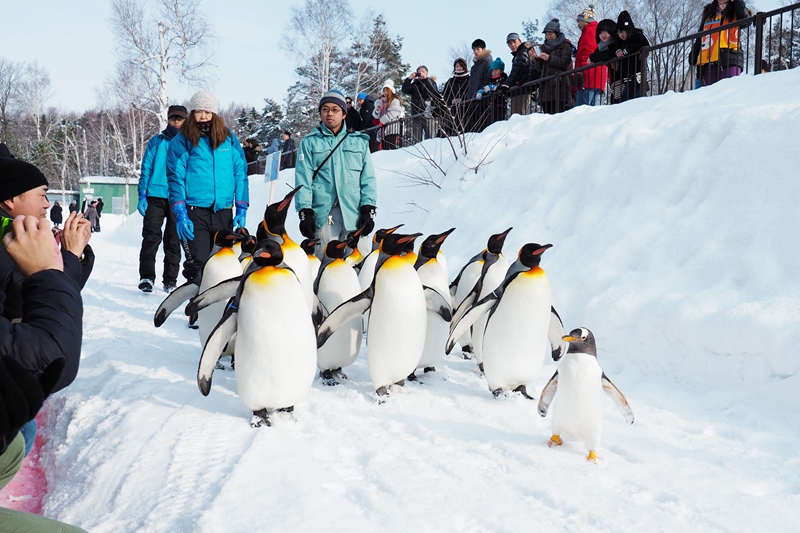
(592, 456)
(555, 440)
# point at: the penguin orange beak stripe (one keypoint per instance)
(444, 235)
(541, 250)
(569, 338)
(286, 201)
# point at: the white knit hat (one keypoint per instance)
(204, 101)
(390, 85)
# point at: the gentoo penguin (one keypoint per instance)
(397, 302)
(478, 278)
(274, 227)
(432, 273)
(222, 264)
(336, 283)
(276, 354)
(578, 385)
(518, 318)
(313, 261)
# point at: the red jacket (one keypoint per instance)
(594, 78)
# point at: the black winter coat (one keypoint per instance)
(51, 327)
(520, 66)
(631, 62)
(365, 112)
(455, 87)
(421, 90)
(288, 154)
(352, 119)
(56, 214)
(480, 75)
(560, 60)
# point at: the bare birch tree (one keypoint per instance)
(172, 38)
(34, 92)
(10, 77)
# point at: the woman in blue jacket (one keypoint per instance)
(207, 177)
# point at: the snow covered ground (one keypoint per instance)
(676, 238)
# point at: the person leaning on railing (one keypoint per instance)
(719, 55)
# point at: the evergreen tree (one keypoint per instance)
(375, 58)
(530, 29)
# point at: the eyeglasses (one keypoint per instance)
(331, 110)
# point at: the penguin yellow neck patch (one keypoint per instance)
(535, 272)
(267, 274)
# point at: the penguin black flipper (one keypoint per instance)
(459, 327)
(320, 313)
(174, 300)
(548, 393)
(619, 399)
(216, 344)
(355, 306)
(455, 282)
(438, 303)
(555, 332)
(219, 292)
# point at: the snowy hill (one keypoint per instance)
(675, 230)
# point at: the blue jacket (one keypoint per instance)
(153, 176)
(348, 175)
(202, 177)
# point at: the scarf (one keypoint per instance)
(549, 46)
(204, 127)
(460, 74)
(171, 131)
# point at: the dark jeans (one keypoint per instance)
(157, 212)
(206, 224)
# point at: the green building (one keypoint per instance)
(120, 195)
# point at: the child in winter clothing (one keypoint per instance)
(497, 99)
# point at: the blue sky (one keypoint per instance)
(74, 42)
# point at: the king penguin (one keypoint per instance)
(314, 263)
(397, 322)
(276, 354)
(478, 278)
(222, 264)
(432, 271)
(336, 283)
(519, 318)
(578, 385)
(273, 227)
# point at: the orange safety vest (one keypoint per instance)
(711, 44)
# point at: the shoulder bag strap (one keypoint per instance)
(329, 154)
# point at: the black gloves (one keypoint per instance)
(22, 395)
(366, 219)
(307, 225)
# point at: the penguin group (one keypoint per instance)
(286, 317)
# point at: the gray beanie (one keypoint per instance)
(587, 15)
(334, 96)
(204, 101)
(553, 25)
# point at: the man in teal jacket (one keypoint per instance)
(334, 168)
(154, 207)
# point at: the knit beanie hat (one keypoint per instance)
(625, 22)
(478, 43)
(177, 111)
(553, 25)
(587, 15)
(204, 101)
(334, 96)
(497, 63)
(361, 96)
(17, 177)
(390, 85)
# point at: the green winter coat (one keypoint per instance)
(347, 175)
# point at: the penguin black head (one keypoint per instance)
(275, 214)
(227, 238)
(581, 340)
(495, 244)
(353, 236)
(430, 246)
(308, 246)
(249, 245)
(267, 253)
(336, 249)
(378, 236)
(531, 254)
(395, 244)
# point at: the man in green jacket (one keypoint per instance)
(334, 168)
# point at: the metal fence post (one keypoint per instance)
(759, 49)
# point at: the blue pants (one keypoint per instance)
(588, 97)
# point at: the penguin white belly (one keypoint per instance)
(296, 259)
(494, 277)
(397, 320)
(276, 354)
(221, 266)
(514, 343)
(578, 404)
(469, 277)
(367, 272)
(433, 274)
(338, 284)
(314, 265)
